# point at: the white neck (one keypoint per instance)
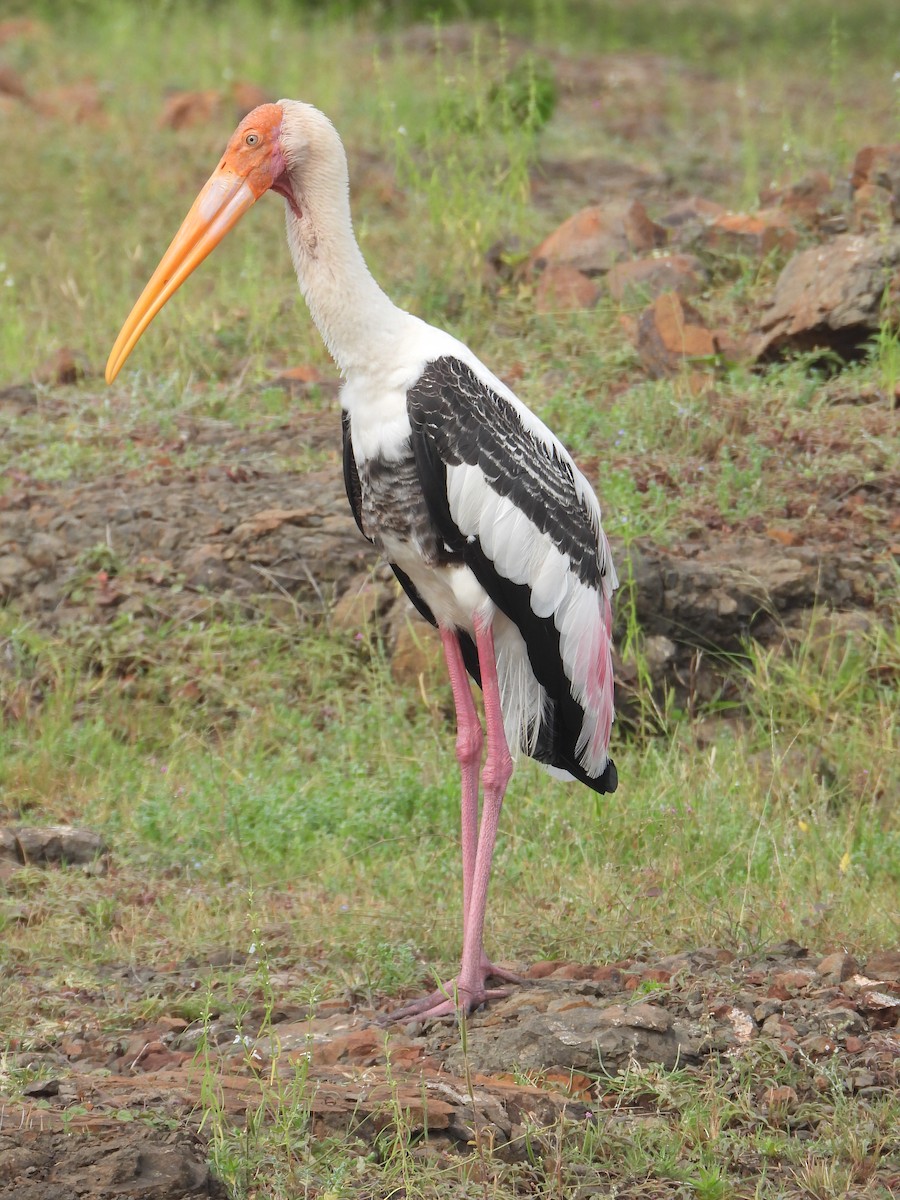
(357, 321)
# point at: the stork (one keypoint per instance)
(488, 524)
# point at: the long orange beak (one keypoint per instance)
(222, 202)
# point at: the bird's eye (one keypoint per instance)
(252, 139)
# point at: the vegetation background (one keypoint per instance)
(262, 780)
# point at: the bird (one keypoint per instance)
(491, 529)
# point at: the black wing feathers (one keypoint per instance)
(351, 475)
(457, 419)
(465, 422)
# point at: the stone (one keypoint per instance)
(65, 366)
(819, 1046)
(596, 238)
(25, 29)
(544, 968)
(13, 85)
(789, 983)
(670, 333)
(884, 965)
(417, 659)
(874, 208)
(646, 278)
(247, 96)
(571, 970)
(809, 199)
(76, 103)
(44, 549)
(58, 844)
(359, 609)
(187, 109)
(563, 288)
(878, 167)
(690, 217)
(783, 1097)
(832, 297)
(11, 567)
(837, 967)
(594, 1034)
(756, 233)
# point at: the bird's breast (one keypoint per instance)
(394, 510)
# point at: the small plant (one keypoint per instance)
(885, 354)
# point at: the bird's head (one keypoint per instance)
(254, 162)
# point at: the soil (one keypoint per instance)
(165, 542)
(118, 1114)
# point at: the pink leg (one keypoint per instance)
(469, 988)
(469, 742)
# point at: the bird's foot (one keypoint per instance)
(456, 995)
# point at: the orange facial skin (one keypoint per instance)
(253, 164)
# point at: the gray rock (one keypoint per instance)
(587, 1037)
(831, 296)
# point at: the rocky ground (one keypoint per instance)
(569, 1029)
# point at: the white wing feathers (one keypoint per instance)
(523, 554)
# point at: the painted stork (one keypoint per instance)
(488, 524)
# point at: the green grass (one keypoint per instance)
(267, 783)
(321, 771)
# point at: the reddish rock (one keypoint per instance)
(65, 366)
(835, 968)
(808, 200)
(541, 970)
(758, 233)
(832, 296)
(874, 207)
(656, 975)
(648, 277)
(878, 166)
(77, 103)
(358, 1046)
(247, 96)
(670, 332)
(358, 609)
(790, 982)
(417, 658)
(562, 288)
(596, 238)
(304, 374)
(689, 217)
(882, 1010)
(783, 1097)
(854, 1045)
(884, 965)
(819, 1046)
(21, 29)
(785, 537)
(607, 974)
(12, 84)
(572, 971)
(184, 110)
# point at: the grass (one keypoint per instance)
(266, 783)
